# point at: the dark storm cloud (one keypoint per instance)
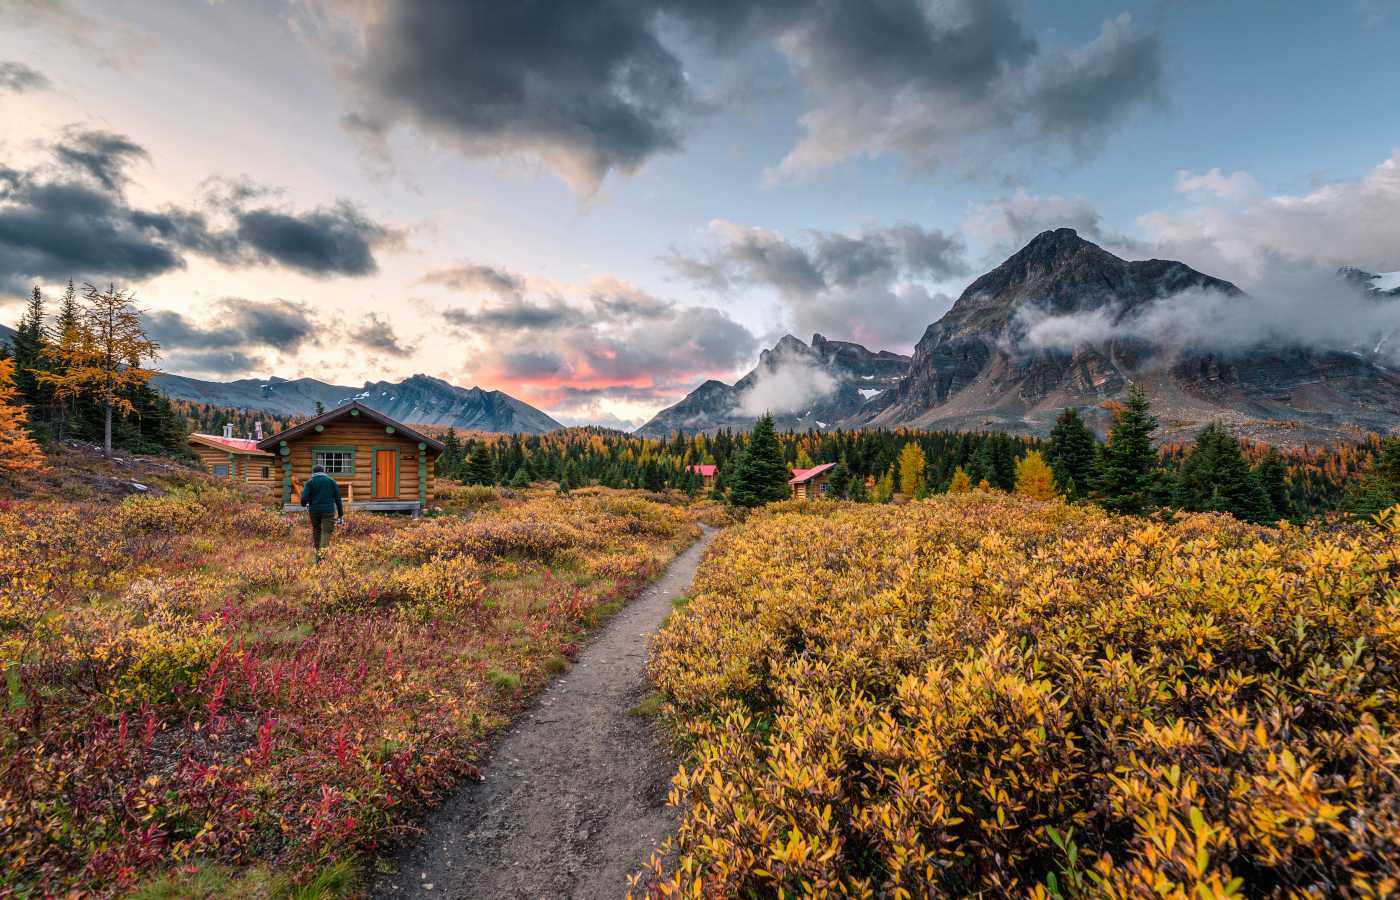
(335, 240)
(833, 282)
(283, 325)
(20, 79)
(70, 217)
(377, 336)
(587, 87)
(593, 88)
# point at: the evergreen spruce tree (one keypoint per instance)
(1128, 475)
(1216, 478)
(1071, 453)
(320, 408)
(571, 478)
(31, 345)
(521, 479)
(998, 461)
(760, 476)
(1378, 489)
(652, 479)
(839, 482)
(480, 468)
(1273, 477)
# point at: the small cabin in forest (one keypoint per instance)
(811, 484)
(707, 473)
(381, 465)
(226, 456)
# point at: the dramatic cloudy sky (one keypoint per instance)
(594, 206)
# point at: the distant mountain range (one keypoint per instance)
(983, 365)
(419, 399)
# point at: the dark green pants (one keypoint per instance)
(322, 527)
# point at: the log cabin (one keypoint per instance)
(707, 473)
(226, 456)
(811, 484)
(381, 465)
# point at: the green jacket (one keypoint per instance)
(322, 495)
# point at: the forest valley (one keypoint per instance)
(86, 377)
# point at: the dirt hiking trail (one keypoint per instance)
(575, 795)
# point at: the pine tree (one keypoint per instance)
(480, 468)
(1215, 477)
(320, 408)
(521, 480)
(1071, 453)
(1273, 477)
(760, 476)
(652, 480)
(572, 479)
(839, 481)
(1128, 476)
(18, 452)
(31, 351)
(1378, 489)
(1034, 478)
(997, 460)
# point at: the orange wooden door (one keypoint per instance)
(386, 473)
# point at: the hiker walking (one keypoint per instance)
(321, 497)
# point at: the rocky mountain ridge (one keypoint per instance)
(418, 399)
(1059, 324)
(803, 386)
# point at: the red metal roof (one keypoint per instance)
(707, 471)
(239, 444)
(801, 475)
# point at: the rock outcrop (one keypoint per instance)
(974, 368)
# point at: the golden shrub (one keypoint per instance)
(985, 694)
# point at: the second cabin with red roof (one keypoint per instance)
(707, 473)
(226, 456)
(811, 484)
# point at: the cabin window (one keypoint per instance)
(821, 487)
(336, 462)
(266, 471)
(221, 471)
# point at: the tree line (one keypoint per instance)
(1124, 473)
(87, 375)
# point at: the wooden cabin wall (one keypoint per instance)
(364, 435)
(248, 467)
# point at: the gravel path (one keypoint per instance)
(575, 795)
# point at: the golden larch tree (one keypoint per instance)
(18, 452)
(911, 468)
(961, 484)
(104, 355)
(1034, 478)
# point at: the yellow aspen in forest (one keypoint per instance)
(961, 484)
(1034, 478)
(911, 468)
(18, 452)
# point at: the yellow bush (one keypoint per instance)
(985, 694)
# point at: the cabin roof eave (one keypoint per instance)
(269, 443)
